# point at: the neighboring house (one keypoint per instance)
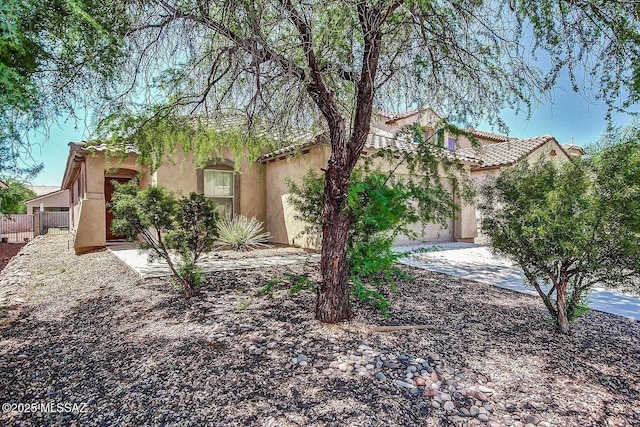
(55, 201)
(3, 185)
(41, 190)
(573, 150)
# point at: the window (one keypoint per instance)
(451, 144)
(219, 186)
(440, 138)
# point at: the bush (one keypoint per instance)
(569, 227)
(186, 226)
(380, 210)
(242, 234)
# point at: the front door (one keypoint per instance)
(108, 191)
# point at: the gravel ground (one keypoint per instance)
(87, 331)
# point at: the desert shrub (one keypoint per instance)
(242, 234)
(166, 225)
(569, 226)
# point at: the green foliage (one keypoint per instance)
(448, 55)
(299, 283)
(267, 289)
(54, 54)
(606, 31)
(12, 198)
(306, 197)
(185, 226)
(570, 226)
(242, 234)
(380, 209)
(195, 227)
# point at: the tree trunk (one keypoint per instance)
(561, 302)
(333, 299)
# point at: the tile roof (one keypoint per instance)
(505, 153)
(374, 142)
(87, 147)
(490, 135)
(259, 128)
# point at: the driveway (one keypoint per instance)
(476, 262)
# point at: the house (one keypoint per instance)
(259, 189)
(54, 201)
(92, 171)
(496, 152)
(3, 185)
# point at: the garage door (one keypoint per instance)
(431, 232)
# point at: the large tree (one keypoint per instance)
(287, 63)
(53, 56)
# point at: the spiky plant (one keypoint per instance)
(242, 234)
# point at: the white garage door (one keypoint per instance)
(431, 232)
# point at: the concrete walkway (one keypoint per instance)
(476, 262)
(138, 261)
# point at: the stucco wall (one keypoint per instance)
(180, 175)
(280, 221)
(59, 199)
(89, 213)
(177, 174)
(287, 230)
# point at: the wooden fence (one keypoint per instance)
(18, 228)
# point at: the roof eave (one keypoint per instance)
(45, 195)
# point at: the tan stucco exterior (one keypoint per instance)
(58, 200)
(286, 229)
(87, 173)
(85, 179)
(180, 175)
(260, 188)
(280, 221)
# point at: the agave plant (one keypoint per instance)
(241, 233)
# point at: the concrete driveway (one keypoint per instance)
(476, 262)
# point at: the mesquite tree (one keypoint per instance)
(288, 63)
(571, 226)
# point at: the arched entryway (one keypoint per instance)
(120, 176)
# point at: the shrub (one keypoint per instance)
(380, 210)
(569, 227)
(185, 226)
(242, 234)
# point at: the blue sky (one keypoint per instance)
(569, 115)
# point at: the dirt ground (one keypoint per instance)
(8, 251)
(87, 331)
